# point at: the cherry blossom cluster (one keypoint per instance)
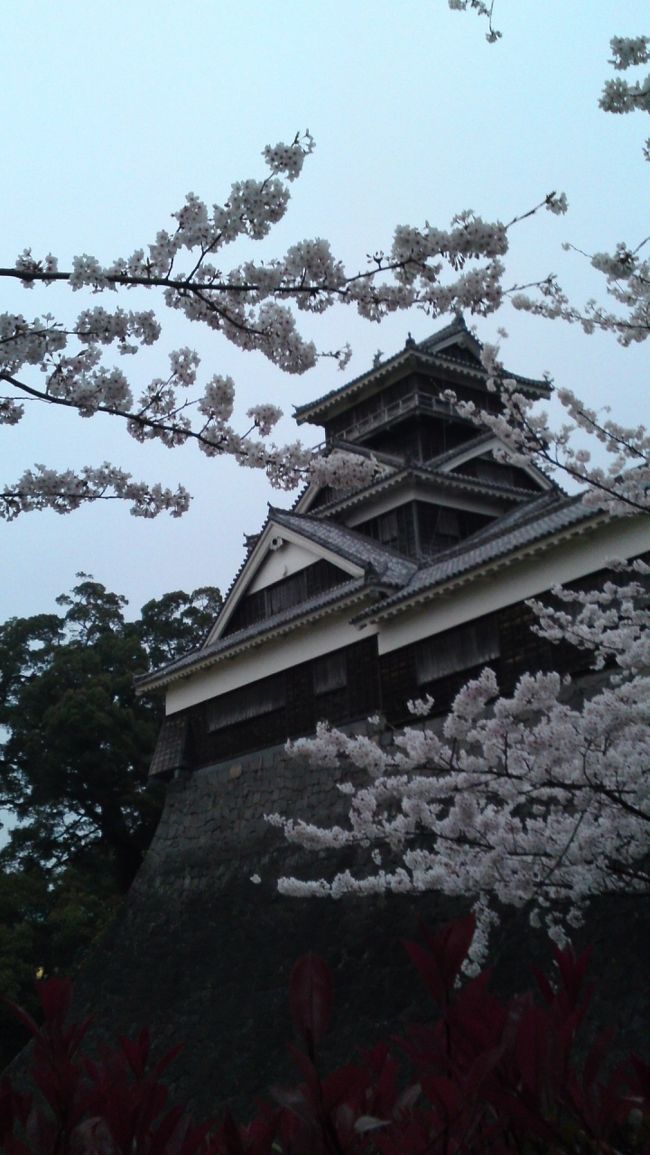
(619, 95)
(618, 481)
(481, 9)
(255, 305)
(343, 471)
(64, 491)
(527, 801)
(611, 623)
(627, 273)
(627, 282)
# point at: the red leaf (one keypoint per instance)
(572, 972)
(23, 1017)
(448, 948)
(446, 1094)
(429, 970)
(55, 996)
(311, 992)
(230, 1137)
(136, 1051)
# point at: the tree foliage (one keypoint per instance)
(76, 740)
(75, 746)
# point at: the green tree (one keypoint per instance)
(75, 746)
(76, 741)
(47, 923)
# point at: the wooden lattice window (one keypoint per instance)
(330, 673)
(248, 702)
(456, 650)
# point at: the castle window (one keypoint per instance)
(261, 697)
(388, 530)
(330, 673)
(447, 526)
(284, 594)
(457, 650)
(441, 527)
(395, 529)
(487, 470)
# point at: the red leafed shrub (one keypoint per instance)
(484, 1076)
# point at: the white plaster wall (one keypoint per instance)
(281, 563)
(527, 578)
(279, 654)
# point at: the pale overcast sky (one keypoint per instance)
(114, 110)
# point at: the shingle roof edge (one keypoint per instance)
(339, 597)
(424, 349)
(423, 589)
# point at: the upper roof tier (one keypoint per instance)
(451, 356)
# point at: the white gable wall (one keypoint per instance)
(280, 563)
(276, 542)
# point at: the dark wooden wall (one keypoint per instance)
(354, 682)
(287, 705)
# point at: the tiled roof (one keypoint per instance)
(170, 752)
(254, 538)
(521, 527)
(455, 328)
(347, 593)
(427, 352)
(484, 438)
(388, 462)
(382, 568)
(399, 469)
(388, 567)
(428, 476)
(471, 443)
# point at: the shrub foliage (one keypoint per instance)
(484, 1075)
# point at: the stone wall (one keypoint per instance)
(203, 956)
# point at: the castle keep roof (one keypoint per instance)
(390, 584)
(452, 352)
(443, 530)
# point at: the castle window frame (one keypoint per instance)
(463, 648)
(246, 703)
(329, 673)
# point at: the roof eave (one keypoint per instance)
(411, 357)
(146, 683)
(399, 603)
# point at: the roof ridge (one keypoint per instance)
(369, 545)
(428, 348)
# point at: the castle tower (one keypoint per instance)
(406, 581)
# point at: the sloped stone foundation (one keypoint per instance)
(202, 955)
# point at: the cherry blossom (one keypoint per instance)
(617, 477)
(64, 491)
(255, 305)
(528, 801)
(481, 9)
